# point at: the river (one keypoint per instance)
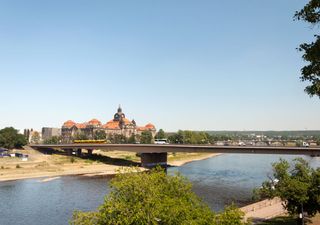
(219, 181)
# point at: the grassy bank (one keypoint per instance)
(41, 164)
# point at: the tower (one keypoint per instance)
(119, 115)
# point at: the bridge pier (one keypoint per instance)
(69, 151)
(150, 160)
(90, 151)
(79, 152)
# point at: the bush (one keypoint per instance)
(72, 160)
(154, 198)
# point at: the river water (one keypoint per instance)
(218, 181)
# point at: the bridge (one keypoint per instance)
(156, 154)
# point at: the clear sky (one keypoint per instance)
(180, 64)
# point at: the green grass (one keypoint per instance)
(280, 221)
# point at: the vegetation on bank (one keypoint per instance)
(297, 185)
(10, 138)
(154, 198)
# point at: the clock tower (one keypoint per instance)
(119, 115)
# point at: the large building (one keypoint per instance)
(118, 125)
(49, 132)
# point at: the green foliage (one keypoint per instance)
(35, 137)
(176, 138)
(72, 160)
(311, 72)
(9, 138)
(100, 135)
(154, 198)
(296, 185)
(160, 134)
(230, 216)
(117, 139)
(80, 136)
(283, 220)
(146, 137)
(190, 137)
(53, 140)
(132, 139)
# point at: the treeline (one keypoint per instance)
(10, 138)
(197, 137)
(279, 135)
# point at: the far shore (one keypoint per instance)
(51, 167)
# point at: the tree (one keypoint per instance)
(146, 137)
(311, 72)
(35, 137)
(117, 139)
(100, 135)
(160, 134)
(297, 186)
(10, 138)
(132, 139)
(53, 140)
(190, 137)
(176, 138)
(80, 136)
(150, 198)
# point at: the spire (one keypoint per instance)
(119, 109)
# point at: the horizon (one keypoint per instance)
(177, 64)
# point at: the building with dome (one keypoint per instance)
(118, 125)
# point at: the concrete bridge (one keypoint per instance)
(156, 154)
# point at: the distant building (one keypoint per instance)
(118, 125)
(49, 132)
(33, 137)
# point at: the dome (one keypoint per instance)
(150, 126)
(95, 122)
(69, 123)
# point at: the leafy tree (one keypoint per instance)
(10, 138)
(100, 135)
(35, 137)
(297, 186)
(160, 134)
(190, 137)
(117, 139)
(53, 140)
(152, 198)
(80, 136)
(176, 138)
(146, 137)
(311, 72)
(132, 139)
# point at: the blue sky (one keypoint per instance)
(180, 64)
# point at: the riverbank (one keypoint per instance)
(103, 164)
(263, 210)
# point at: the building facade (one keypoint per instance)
(49, 132)
(118, 125)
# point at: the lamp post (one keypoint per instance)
(301, 215)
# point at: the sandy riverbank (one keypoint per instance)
(48, 166)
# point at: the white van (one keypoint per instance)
(161, 141)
